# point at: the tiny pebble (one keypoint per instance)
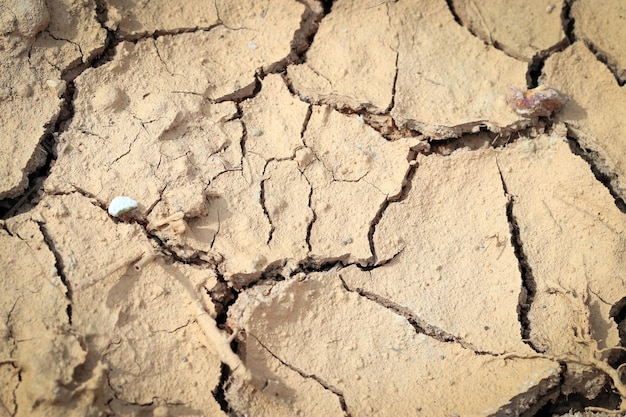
(57, 87)
(183, 358)
(252, 45)
(121, 204)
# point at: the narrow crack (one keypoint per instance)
(395, 81)
(60, 267)
(244, 133)
(320, 381)
(130, 148)
(76, 44)
(567, 21)
(528, 285)
(404, 192)
(9, 336)
(264, 207)
(602, 174)
(309, 226)
(420, 326)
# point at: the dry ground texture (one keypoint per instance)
(338, 212)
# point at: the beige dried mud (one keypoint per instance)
(441, 80)
(523, 30)
(132, 19)
(346, 65)
(371, 370)
(575, 289)
(434, 255)
(596, 108)
(38, 41)
(295, 204)
(602, 26)
(355, 165)
(105, 356)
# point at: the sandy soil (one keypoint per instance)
(338, 212)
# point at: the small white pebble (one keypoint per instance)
(550, 8)
(121, 204)
(252, 45)
(344, 30)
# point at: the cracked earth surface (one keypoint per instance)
(338, 212)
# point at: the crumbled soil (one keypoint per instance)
(338, 211)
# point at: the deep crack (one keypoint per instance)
(528, 284)
(567, 21)
(594, 160)
(219, 392)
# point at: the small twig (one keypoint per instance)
(112, 268)
(217, 338)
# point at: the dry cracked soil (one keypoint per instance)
(337, 211)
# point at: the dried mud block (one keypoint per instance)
(351, 164)
(346, 66)
(257, 221)
(281, 392)
(39, 355)
(30, 58)
(263, 25)
(596, 109)
(522, 30)
(172, 365)
(448, 81)
(257, 214)
(141, 131)
(28, 18)
(574, 239)
(602, 25)
(135, 320)
(73, 35)
(254, 36)
(145, 129)
(372, 358)
(454, 270)
(134, 19)
(274, 120)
